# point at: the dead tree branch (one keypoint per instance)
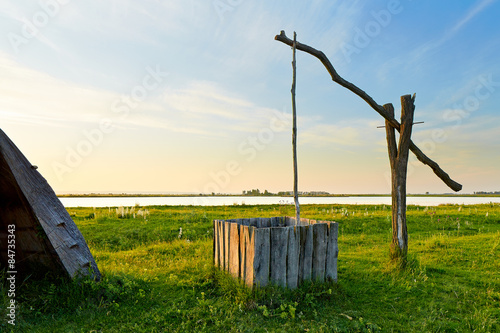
(380, 109)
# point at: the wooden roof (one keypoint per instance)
(46, 238)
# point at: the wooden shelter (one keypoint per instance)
(46, 238)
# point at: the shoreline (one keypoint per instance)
(131, 195)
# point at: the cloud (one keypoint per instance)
(479, 6)
(26, 93)
(322, 134)
(481, 131)
(200, 107)
(203, 107)
(246, 35)
(203, 97)
(24, 119)
(474, 11)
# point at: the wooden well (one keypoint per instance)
(262, 251)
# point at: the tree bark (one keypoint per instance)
(294, 137)
(380, 109)
(398, 157)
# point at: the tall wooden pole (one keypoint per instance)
(398, 157)
(294, 136)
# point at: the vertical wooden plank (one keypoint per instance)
(221, 244)
(254, 221)
(332, 251)
(244, 222)
(243, 251)
(279, 245)
(227, 229)
(249, 235)
(234, 250)
(278, 221)
(306, 252)
(262, 252)
(320, 231)
(289, 221)
(264, 222)
(302, 239)
(292, 268)
(216, 243)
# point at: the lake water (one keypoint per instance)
(227, 201)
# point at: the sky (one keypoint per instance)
(194, 96)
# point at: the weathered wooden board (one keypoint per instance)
(306, 253)
(332, 251)
(262, 252)
(227, 244)
(216, 243)
(243, 251)
(249, 236)
(320, 231)
(292, 265)
(254, 222)
(234, 252)
(264, 222)
(222, 263)
(279, 244)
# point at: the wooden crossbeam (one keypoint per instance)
(379, 108)
(415, 123)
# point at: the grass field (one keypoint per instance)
(156, 279)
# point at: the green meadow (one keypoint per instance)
(159, 279)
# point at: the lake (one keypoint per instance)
(227, 201)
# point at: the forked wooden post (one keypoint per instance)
(398, 157)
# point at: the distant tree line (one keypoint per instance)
(482, 192)
(257, 192)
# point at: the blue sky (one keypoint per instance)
(194, 96)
